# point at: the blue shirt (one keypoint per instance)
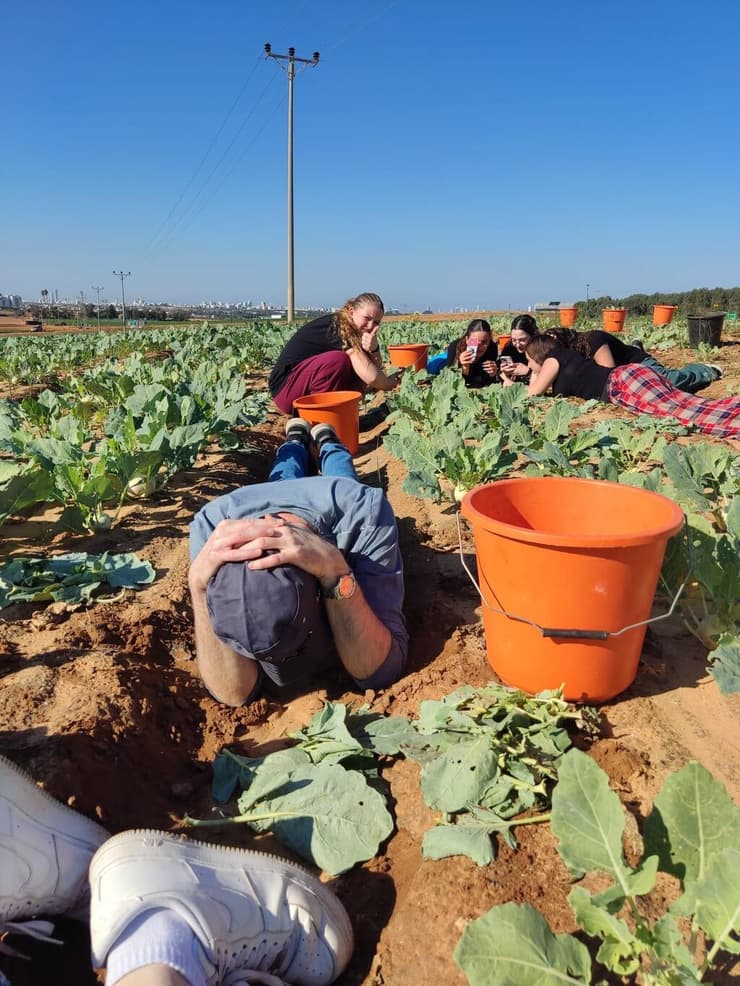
(356, 519)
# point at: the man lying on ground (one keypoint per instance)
(288, 576)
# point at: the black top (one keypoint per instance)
(315, 337)
(622, 354)
(511, 350)
(578, 376)
(476, 375)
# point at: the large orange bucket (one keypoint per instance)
(339, 409)
(503, 341)
(663, 314)
(568, 316)
(565, 568)
(409, 354)
(614, 319)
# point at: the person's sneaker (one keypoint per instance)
(298, 430)
(717, 369)
(323, 433)
(637, 343)
(45, 851)
(251, 912)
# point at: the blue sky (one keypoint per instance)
(485, 154)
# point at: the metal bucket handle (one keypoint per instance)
(571, 634)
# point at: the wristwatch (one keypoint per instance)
(343, 588)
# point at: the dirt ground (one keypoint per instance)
(104, 707)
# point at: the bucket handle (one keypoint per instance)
(571, 634)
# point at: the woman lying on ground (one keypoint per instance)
(513, 360)
(475, 354)
(635, 387)
(607, 350)
(337, 351)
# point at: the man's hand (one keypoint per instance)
(291, 543)
(266, 542)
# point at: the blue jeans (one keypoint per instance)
(690, 378)
(291, 462)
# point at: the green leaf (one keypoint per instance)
(620, 949)
(382, 734)
(718, 900)
(459, 776)
(588, 820)
(459, 840)
(725, 664)
(512, 945)
(328, 815)
(692, 820)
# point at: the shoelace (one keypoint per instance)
(40, 930)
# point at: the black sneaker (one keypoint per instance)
(298, 430)
(717, 369)
(637, 343)
(323, 433)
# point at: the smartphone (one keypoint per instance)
(472, 349)
(506, 360)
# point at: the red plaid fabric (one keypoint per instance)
(642, 390)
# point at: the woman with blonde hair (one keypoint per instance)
(337, 351)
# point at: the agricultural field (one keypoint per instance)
(110, 442)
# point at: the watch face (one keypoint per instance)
(345, 586)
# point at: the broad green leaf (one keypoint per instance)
(725, 664)
(668, 943)
(459, 840)
(587, 819)
(270, 775)
(459, 776)
(718, 900)
(326, 814)
(693, 819)
(619, 950)
(24, 490)
(382, 734)
(512, 945)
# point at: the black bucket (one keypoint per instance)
(705, 328)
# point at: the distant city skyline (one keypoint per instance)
(499, 153)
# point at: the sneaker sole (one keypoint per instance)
(137, 845)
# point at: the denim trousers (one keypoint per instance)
(291, 462)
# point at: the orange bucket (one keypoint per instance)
(568, 316)
(663, 314)
(565, 565)
(614, 319)
(409, 354)
(503, 341)
(339, 408)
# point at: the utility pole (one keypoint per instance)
(291, 61)
(120, 273)
(98, 289)
(587, 308)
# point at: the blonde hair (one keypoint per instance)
(343, 324)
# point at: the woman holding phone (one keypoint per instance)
(475, 355)
(513, 360)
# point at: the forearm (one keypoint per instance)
(362, 641)
(368, 367)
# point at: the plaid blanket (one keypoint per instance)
(642, 390)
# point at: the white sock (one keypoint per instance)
(158, 937)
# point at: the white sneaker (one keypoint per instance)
(45, 851)
(252, 913)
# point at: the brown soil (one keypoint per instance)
(104, 707)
